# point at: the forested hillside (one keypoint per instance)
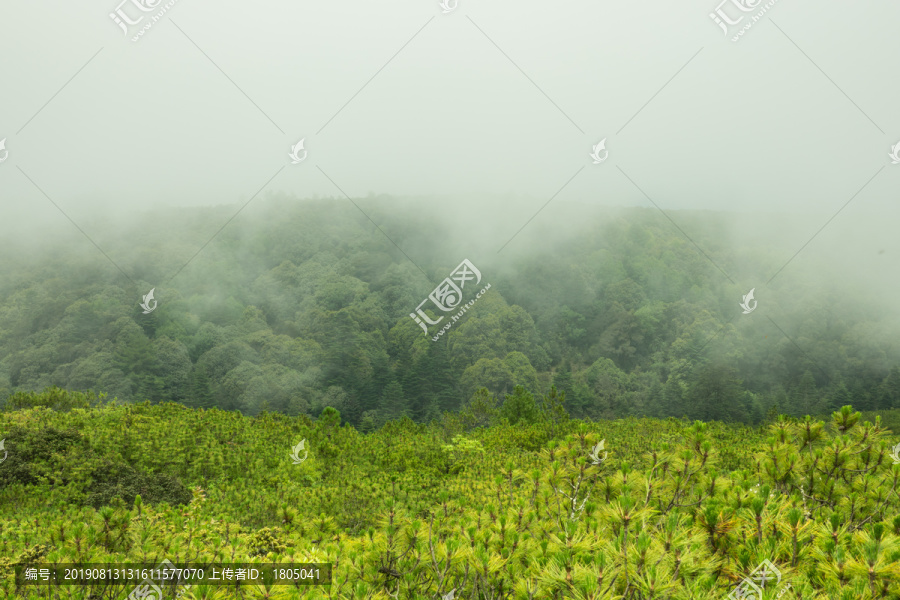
(301, 305)
(634, 508)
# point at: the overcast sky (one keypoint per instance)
(503, 97)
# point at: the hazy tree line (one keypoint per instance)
(300, 306)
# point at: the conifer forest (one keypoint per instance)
(449, 300)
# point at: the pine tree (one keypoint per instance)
(444, 383)
(673, 399)
(431, 412)
(352, 410)
(562, 379)
(806, 395)
(716, 395)
(519, 407)
(370, 394)
(394, 405)
(780, 403)
(481, 410)
(553, 410)
(656, 399)
(889, 390)
(330, 418)
(772, 414)
(369, 421)
(417, 385)
(840, 396)
(201, 395)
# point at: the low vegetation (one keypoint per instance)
(661, 509)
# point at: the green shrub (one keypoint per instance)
(461, 452)
(264, 541)
(54, 398)
(520, 406)
(28, 448)
(126, 483)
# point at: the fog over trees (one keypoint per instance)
(450, 299)
(306, 304)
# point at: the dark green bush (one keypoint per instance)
(126, 483)
(26, 448)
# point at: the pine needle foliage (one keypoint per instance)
(549, 508)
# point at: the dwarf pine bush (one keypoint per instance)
(633, 509)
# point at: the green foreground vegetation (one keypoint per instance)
(671, 509)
